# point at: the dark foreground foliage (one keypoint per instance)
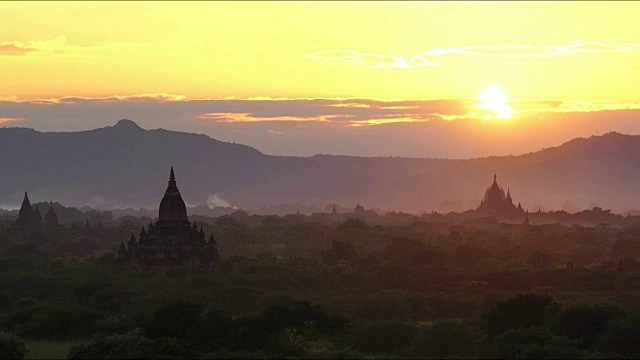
(11, 347)
(294, 288)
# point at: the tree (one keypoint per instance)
(393, 276)
(214, 334)
(587, 323)
(445, 339)
(382, 337)
(540, 260)
(179, 318)
(285, 329)
(468, 255)
(62, 321)
(11, 347)
(621, 336)
(130, 346)
(340, 251)
(529, 343)
(524, 310)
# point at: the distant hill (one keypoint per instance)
(127, 166)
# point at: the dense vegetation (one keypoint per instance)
(332, 286)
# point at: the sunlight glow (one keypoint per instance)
(495, 100)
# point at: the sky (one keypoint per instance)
(418, 79)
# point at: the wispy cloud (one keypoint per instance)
(577, 47)
(572, 106)
(390, 120)
(57, 46)
(156, 97)
(11, 49)
(230, 117)
(152, 97)
(372, 60)
(368, 60)
(274, 132)
(4, 121)
(349, 112)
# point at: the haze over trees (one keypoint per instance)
(118, 167)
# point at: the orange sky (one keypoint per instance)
(547, 58)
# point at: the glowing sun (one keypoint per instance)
(494, 100)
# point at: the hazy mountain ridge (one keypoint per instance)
(125, 165)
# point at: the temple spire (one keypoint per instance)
(26, 217)
(172, 189)
(25, 202)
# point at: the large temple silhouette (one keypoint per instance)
(496, 203)
(173, 245)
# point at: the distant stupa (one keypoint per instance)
(495, 201)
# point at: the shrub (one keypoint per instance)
(524, 310)
(130, 346)
(382, 337)
(11, 347)
(587, 323)
(62, 321)
(529, 343)
(445, 339)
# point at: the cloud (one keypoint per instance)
(368, 60)
(98, 202)
(350, 105)
(371, 60)
(152, 97)
(11, 49)
(390, 120)
(352, 126)
(572, 106)
(247, 117)
(215, 200)
(350, 112)
(4, 121)
(82, 113)
(577, 47)
(57, 46)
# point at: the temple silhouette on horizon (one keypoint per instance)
(172, 245)
(496, 203)
(30, 220)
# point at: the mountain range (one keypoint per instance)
(127, 166)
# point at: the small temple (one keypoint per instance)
(31, 220)
(172, 245)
